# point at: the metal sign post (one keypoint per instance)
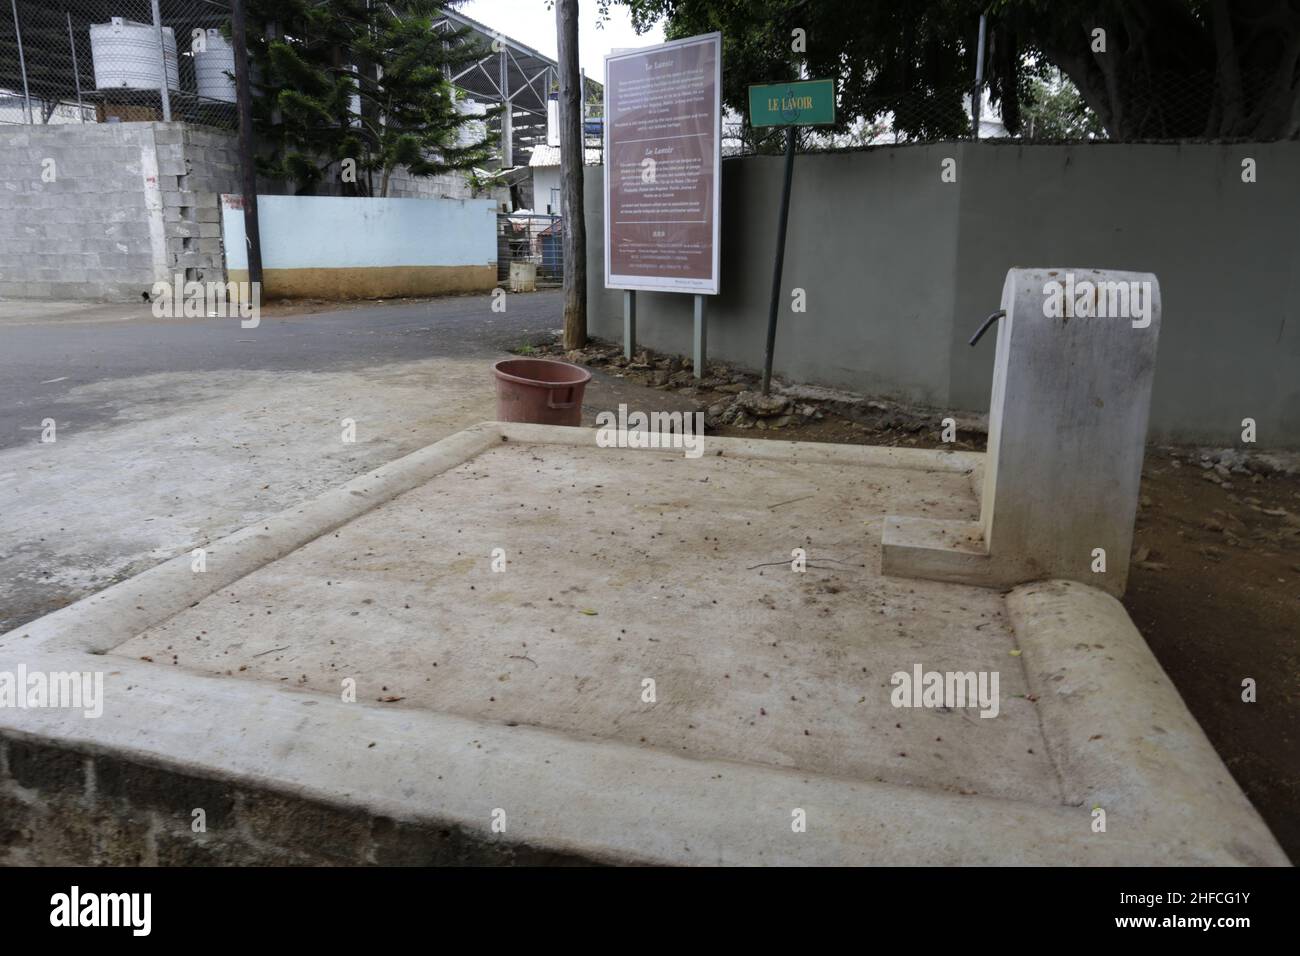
(629, 323)
(801, 103)
(700, 340)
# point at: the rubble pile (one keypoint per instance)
(732, 397)
(1226, 467)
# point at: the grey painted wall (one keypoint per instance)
(900, 267)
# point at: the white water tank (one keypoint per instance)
(474, 131)
(214, 68)
(125, 55)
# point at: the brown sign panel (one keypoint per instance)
(663, 157)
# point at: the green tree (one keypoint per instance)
(1054, 109)
(1158, 68)
(354, 89)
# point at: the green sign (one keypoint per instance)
(798, 103)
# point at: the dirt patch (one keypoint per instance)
(1217, 598)
(1214, 586)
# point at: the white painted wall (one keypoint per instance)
(546, 186)
(336, 232)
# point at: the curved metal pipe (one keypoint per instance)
(987, 322)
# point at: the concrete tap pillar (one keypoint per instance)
(1076, 356)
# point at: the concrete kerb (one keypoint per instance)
(1120, 736)
(596, 800)
(919, 459)
(1119, 733)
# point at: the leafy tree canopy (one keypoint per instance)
(344, 84)
(1148, 69)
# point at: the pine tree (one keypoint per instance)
(354, 89)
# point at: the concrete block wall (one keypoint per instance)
(205, 163)
(899, 268)
(402, 185)
(103, 210)
(129, 204)
(86, 232)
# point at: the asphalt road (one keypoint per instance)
(45, 352)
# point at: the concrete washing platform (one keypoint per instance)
(366, 678)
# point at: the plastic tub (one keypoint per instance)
(540, 391)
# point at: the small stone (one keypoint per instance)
(763, 406)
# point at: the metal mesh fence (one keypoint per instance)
(914, 117)
(1152, 108)
(101, 61)
(534, 238)
(104, 61)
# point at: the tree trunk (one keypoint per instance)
(247, 169)
(572, 155)
(1169, 74)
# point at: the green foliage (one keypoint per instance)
(350, 80)
(1168, 69)
(913, 59)
(1054, 109)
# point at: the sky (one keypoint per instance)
(533, 24)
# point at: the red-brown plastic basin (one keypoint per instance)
(540, 391)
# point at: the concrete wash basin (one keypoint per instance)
(353, 682)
